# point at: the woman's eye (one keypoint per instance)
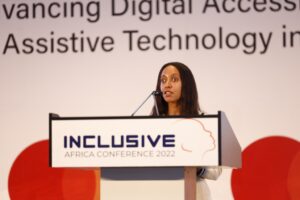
(163, 80)
(174, 79)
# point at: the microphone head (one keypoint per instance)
(157, 93)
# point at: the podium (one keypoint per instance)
(144, 157)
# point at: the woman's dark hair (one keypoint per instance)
(188, 101)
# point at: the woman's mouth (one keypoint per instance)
(168, 93)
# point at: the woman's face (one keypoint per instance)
(170, 84)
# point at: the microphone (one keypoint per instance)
(156, 93)
(153, 93)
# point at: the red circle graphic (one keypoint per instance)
(270, 170)
(31, 178)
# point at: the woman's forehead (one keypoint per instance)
(170, 70)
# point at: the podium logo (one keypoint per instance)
(119, 141)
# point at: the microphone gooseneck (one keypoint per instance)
(153, 93)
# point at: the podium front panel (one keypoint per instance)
(135, 141)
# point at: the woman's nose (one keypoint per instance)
(168, 84)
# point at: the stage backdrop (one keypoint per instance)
(102, 57)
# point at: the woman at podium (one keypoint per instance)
(178, 96)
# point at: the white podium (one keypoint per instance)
(144, 157)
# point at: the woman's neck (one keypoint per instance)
(173, 109)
